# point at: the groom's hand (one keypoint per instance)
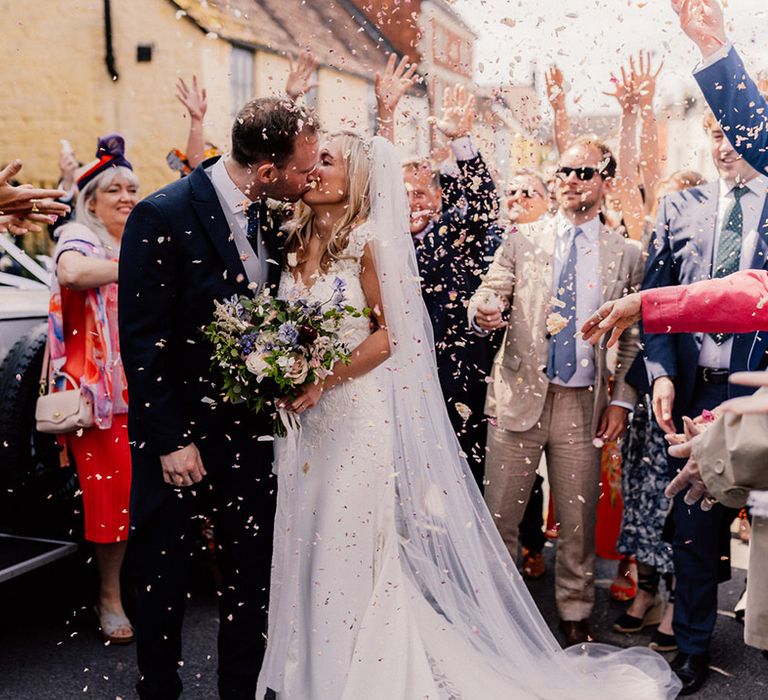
(183, 467)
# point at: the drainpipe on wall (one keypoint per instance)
(109, 57)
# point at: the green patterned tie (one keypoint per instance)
(728, 258)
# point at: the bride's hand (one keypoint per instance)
(309, 397)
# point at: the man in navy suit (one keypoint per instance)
(703, 232)
(204, 238)
(453, 228)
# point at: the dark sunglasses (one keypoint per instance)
(584, 174)
(528, 194)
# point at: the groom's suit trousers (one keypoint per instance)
(238, 494)
(564, 434)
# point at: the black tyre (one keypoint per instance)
(37, 495)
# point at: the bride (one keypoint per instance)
(389, 579)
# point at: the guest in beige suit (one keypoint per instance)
(549, 388)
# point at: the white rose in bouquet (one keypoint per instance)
(297, 369)
(257, 365)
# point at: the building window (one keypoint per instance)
(241, 78)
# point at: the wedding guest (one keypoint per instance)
(549, 390)
(711, 230)
(645, 474)
(527, 197)
(85, 353)
(451, 247)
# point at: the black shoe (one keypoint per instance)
(692, 670)
(662, 642)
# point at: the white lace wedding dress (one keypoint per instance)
(389, 579)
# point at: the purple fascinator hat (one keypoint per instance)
(110, 153)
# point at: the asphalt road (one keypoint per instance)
(50, 650)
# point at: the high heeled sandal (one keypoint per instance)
(626, 589)
(110, 623)
(629, 624)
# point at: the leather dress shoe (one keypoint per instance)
(533, 564)
(576, 632)
(692, 670)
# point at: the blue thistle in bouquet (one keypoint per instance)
(267, 348)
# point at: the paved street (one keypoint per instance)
(49, 648)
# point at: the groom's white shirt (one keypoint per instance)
(233, 203)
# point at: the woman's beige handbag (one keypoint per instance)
(62, 411)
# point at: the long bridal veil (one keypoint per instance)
(449, 548)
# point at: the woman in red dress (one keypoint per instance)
(85, 351)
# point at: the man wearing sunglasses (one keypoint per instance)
(549, 388)
(527, 197)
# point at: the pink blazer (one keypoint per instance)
(734, 304)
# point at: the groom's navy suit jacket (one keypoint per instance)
(177, 257)
(680, 252)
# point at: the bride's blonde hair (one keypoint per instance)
(355, 150)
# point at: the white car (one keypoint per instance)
(38, 498)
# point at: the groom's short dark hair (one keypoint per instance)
(266, 129)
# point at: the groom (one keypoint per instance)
(204, 238)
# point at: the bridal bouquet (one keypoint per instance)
(267, 348)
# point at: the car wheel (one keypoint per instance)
(37, 495)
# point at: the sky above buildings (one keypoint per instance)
(590, 38)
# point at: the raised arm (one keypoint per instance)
(300, 75)
(556, 95)
(650, 155)
(731, 93)
(475, 182)
(390, 86)
(195, 99)
(627, 184)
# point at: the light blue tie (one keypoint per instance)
(561, 362)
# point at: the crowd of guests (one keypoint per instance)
(511, 271)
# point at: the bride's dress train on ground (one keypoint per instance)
(390, 581)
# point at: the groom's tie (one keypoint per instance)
(728, 258)
(253, 214)
(561, 362)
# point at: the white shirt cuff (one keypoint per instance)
(463, 148)
(623, 404)
(476, 329)
(719, 55)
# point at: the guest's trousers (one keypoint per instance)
(699, 539)
(564, 433)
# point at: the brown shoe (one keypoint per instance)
(575, 632)
(533, 564)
